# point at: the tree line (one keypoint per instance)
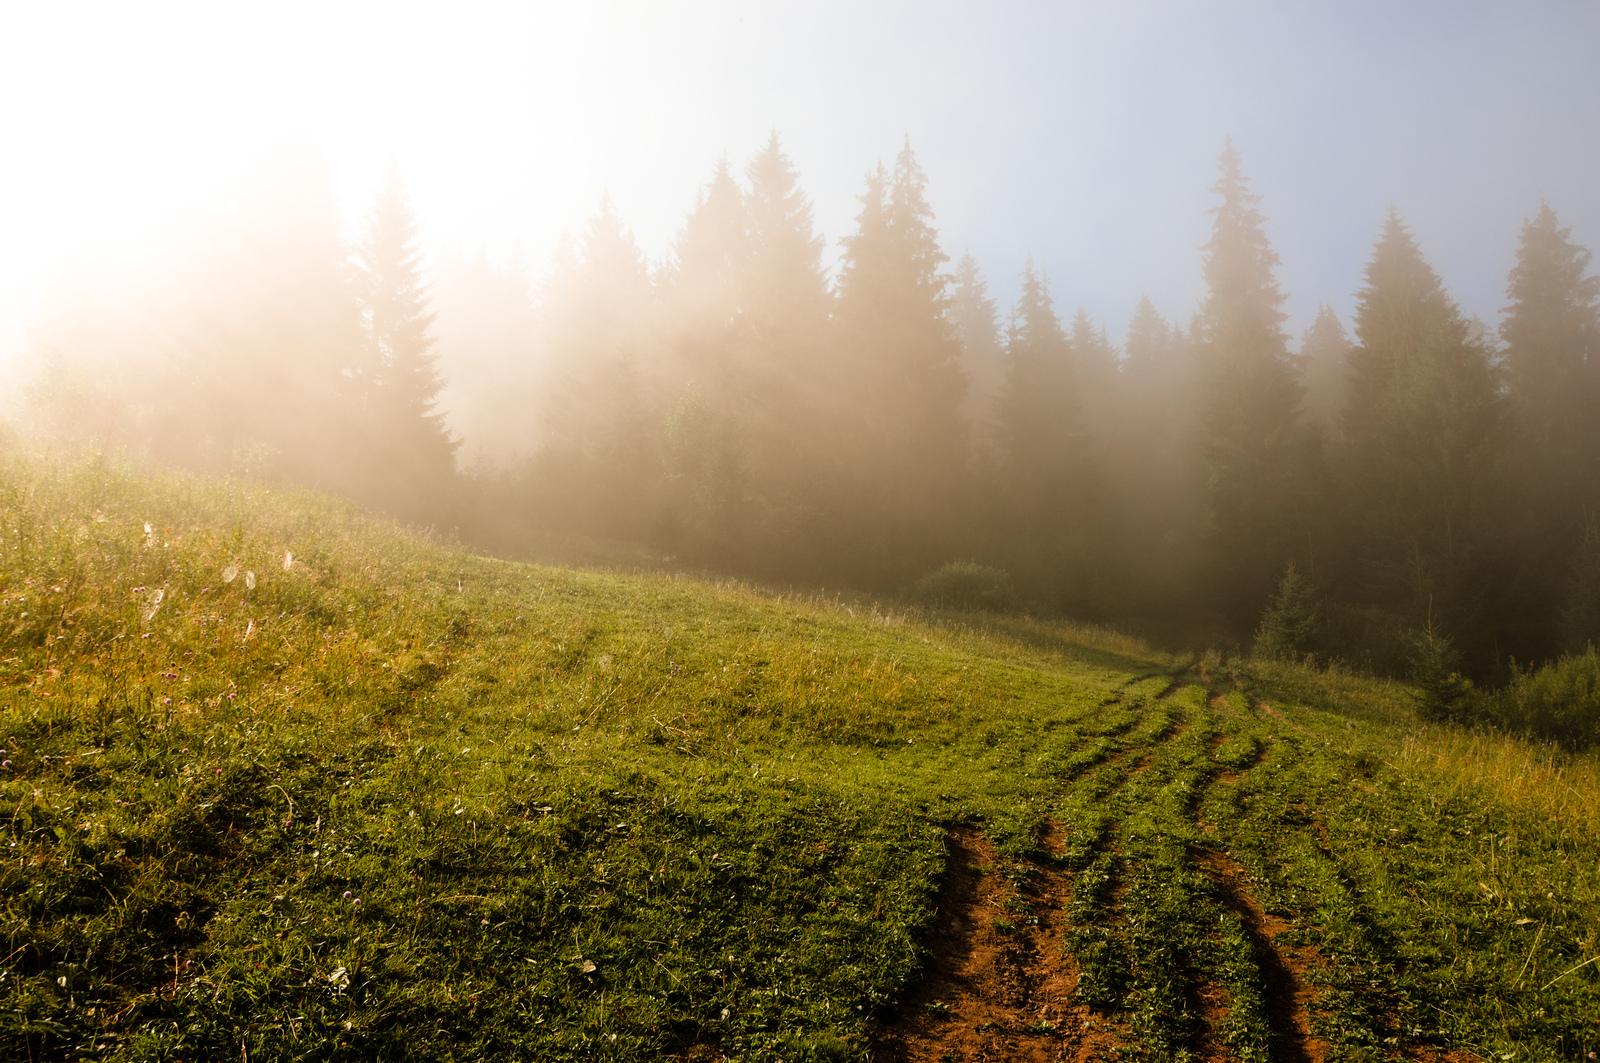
(1406, 479)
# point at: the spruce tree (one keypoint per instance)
(712, 255)
(901, 372)
(788, 291)
(600, 468)
(711, 374)
(1096, 363)
(1552, 362)
(893, 313)
(1323, 358)
(977, 326)
(1046, 466)
(413, 454)
(1154, 476)
(1257, 455)
(1420, 422)
(266, 371)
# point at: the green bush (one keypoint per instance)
(1443, 693)
(1292, 625)
(967, 586)
(1560, 701)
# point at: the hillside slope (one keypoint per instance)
(284, 782)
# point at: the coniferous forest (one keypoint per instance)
(1409, 492)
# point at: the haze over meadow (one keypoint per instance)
(1236, 322)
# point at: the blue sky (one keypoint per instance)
(1084, 135)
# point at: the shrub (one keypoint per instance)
(1443, 693)
(1292, 625)
(1560, 701)
(967, 586)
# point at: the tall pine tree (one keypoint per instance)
(1256, 453)
(267, 367)
(904, 355)
(1046, 464)
(1154, 477)
(1420, 426)
(977, 326)
(413, 454)
(1324, 356)
(1552, 361)
(893, 314)
(600, 468)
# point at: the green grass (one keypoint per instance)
(630, 816)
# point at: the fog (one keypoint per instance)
(1151, 308)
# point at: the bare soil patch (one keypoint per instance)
(998, 983)
(1284, 985)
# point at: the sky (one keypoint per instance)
(1084, 135)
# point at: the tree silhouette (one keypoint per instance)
(413, 454)
(1256, 454)
(1421, 416)
(1552, 360)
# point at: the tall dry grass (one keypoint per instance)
(1534, 777)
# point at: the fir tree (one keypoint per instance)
(901, 373)
(893, 314)
(272, 358)
(413, 453)
(1323, 358)
(1149, 345)
(1420, 419)
(783, 331)
(977, 327)
(788, 290)
(1292, 624)
(1154, 478)
(1552, 362)
(711, 272)
(1045, 464)
(602, 456)
(1096, 364)
(1256, 453)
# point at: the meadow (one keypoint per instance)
(283, 781)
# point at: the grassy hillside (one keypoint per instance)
(283, 782)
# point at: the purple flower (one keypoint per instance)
(6, 764)
(219, 771)
(348, 895)
(166, 701)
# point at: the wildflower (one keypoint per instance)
(348, 895)
(249, 581)
(231, 695)
(166, 701)
(6, 764)
(357, 901)
(230, 573)
(219, 771)
(288, 559)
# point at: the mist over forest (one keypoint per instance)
(1410, 488)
